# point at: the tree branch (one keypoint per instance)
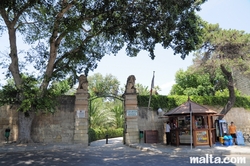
(54, 45)
(22, 9)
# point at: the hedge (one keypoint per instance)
(97, 134)
(170, 102)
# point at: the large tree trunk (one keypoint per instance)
(14, 65)
(230, 87)
(25, 121)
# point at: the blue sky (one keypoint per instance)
(230, 14)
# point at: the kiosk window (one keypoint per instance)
(201, 122)
(184, 122)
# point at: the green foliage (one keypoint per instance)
(170, 102)
(99, 85)
(85, 31)
(159, 101)
(144, 90)
(106, 114)
(221, 53)
(221, 47)
(100, 116)
(71, 37)
(8, 94)
(196, 83)
(118, 112)
(242, 102)
(225, 93)
(29, 96)
(106, 110)
(97, 133)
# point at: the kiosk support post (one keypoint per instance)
(191, 127)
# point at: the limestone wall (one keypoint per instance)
(57, 127)
(239, 116)
(8, 118)
(150, 120)
(61, 126)
(242, 82)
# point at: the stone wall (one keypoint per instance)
(150, 120)
(242, 82)
(239, 116)
(61, 126)
(8, 118)
(57, 127)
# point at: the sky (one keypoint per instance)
(229, 14)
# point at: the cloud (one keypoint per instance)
(165, 88)
(167, 85)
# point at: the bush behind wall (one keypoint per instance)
(100, 133)
(170, 102)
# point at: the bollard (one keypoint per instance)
(107, 138)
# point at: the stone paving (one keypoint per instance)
(118, 142)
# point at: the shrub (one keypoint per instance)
(100, 133)
(170, 102)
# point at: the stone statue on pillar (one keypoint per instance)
(83, 83)
(130, 86)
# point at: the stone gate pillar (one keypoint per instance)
(131, 134)
(81, 112)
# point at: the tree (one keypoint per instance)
(144, 90)
(118, 112)
(71, 36)
(108, 112)
(103, 85)
(99, 116)
(227, 50)
(31, 100)
(196, 82)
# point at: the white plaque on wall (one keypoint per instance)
(81, 113)
(132, 112)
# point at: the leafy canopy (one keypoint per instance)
(220, 49)
(188, 83)
(84, 31)
(194, 82)
(99, 85)
(70, 37)
(229, 48)
(32, 99)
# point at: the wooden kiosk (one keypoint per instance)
(201, 124)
